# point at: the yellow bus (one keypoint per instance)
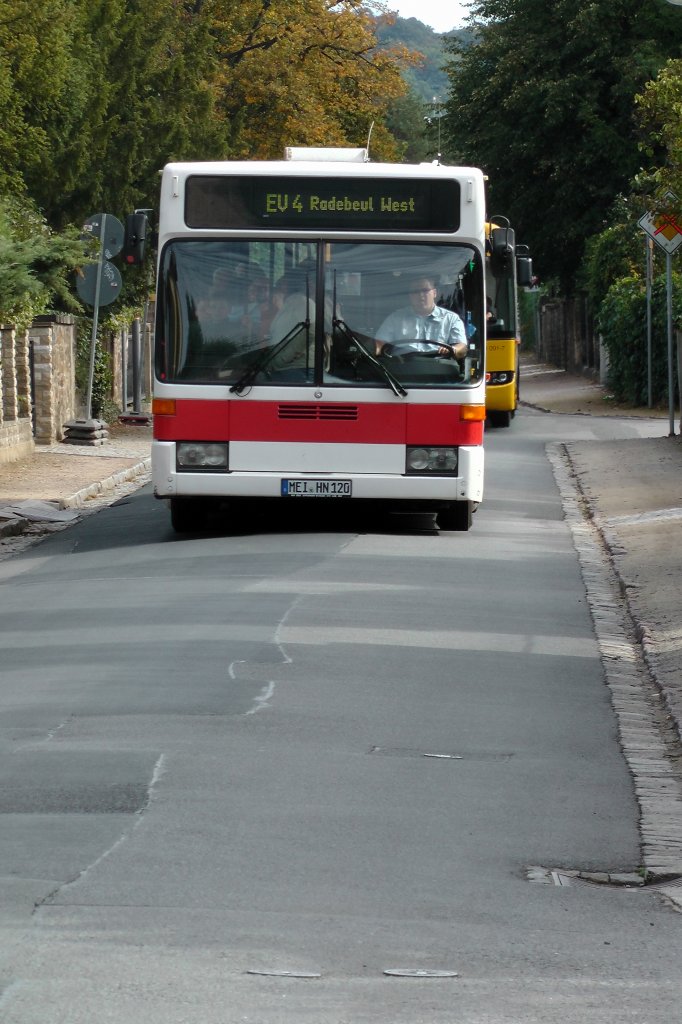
(507, 266)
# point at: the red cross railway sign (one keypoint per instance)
(663, 228)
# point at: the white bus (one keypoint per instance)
(320, 334)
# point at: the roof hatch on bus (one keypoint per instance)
(340, 154)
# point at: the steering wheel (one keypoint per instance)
(411, 349)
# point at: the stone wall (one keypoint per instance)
(54, 373)
(16, 433)
(37, 384)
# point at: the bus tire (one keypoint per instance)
(500, 419)
(457, 516)
(188, 515)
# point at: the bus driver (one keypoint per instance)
(423, 320)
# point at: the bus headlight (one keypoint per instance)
(499, 377)
(200, 455)
(432, 460)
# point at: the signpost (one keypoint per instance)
(667, 234)
(98, 284)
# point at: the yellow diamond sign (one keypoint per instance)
(663, 228)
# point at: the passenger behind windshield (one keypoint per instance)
(212, 314)
(235, 310)
(294, 311)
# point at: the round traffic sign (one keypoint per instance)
(109, 229)
(109, 288)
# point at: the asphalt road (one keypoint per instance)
(243, 776)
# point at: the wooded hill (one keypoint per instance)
(427, 79)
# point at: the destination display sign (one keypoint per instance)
(334, 204)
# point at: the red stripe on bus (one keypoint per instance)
(331, 423)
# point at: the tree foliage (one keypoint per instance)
(426, 78)
(301, 72)
(406, 121)
(616, 252)
(97, 95)
(659, 115)
(36, 264)
(141, 94)
(34, 88)
(622, 323)
(544, 103)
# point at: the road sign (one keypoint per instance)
(109, 285)
(99, 283)
(112, 243)
(663, 228)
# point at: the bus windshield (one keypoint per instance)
(358, 313)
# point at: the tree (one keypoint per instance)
(142, 94)
(35, 67)
(622, 325)
(406, 121)
(658, 115)
(544, 103)
(617, 252)
(36, 265)
(301, 72)
(426, 78)
(97, 95)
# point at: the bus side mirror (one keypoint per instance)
(502, 246)
(502, 243)
(524, 271)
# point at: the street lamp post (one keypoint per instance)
(678, 3)
(437, 115)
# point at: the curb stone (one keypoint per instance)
(82, 500)
(12, 527)
(85, 494)
(636, 695)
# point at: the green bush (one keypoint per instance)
(623, 326)
(528, 307)
(103, 376)
(36, 265)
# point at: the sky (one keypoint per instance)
(441, 15)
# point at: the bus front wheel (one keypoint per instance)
(457, 516)
(188, 515)
(500, 418)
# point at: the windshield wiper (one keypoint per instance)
(393, 382)
(266, 357)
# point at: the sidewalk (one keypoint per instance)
(623, 503)
(47, 487)
(633, 492)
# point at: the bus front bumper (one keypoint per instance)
(467, 485)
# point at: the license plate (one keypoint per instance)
(317, 488)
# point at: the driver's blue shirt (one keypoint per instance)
(441, 325)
